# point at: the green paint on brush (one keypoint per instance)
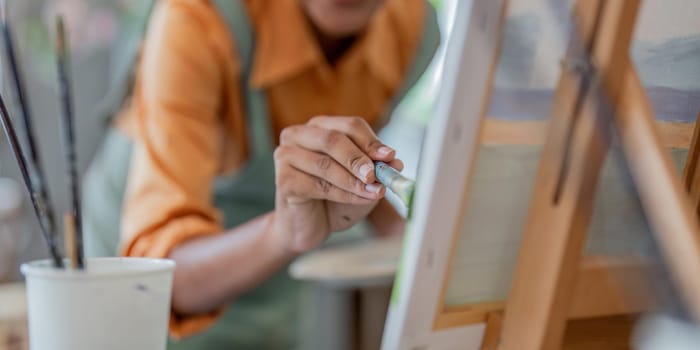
(397, 183)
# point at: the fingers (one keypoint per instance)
(298, 187)
(396, 164)
(323, 166)
(333, 143)
(359, 131)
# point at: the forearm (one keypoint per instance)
(212, 270)
(385, 220)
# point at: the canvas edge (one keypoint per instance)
(471, 53)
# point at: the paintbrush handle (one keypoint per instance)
(69, 240)
(36, 200)
(36, 169)
(69, 134)
(402, 186)
(19, 90)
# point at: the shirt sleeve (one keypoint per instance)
(178, 144)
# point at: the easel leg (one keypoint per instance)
(673, 222)
(492, 335)
(550, 252)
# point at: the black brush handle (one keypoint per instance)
(37, 202)
(69, 135)
(36, 170)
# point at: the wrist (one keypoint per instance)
(274, 241)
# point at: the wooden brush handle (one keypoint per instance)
(69, 239)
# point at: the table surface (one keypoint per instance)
(367, 263)
(13, 302)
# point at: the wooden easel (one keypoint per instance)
(691, 173)
(553, 282)
(551, 278)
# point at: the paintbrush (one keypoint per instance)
(37, 201)
(69, 240)
(394, 181)
(67, 126)
(36, 170)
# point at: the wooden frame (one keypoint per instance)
(552, 283)
(534, 132)
(425, 256)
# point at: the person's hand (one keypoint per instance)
(324, 173)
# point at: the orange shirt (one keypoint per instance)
(187, 115)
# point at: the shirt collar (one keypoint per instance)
(284, 43)
(286, 46)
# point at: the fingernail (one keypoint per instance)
(373, 188)
(365, 169)
(384, 151)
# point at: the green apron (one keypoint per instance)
(269, 316)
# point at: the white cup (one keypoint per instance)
(116, 303)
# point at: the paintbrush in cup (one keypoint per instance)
(37, 201)
(36, 171)
(67, 125)
(69, 240)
